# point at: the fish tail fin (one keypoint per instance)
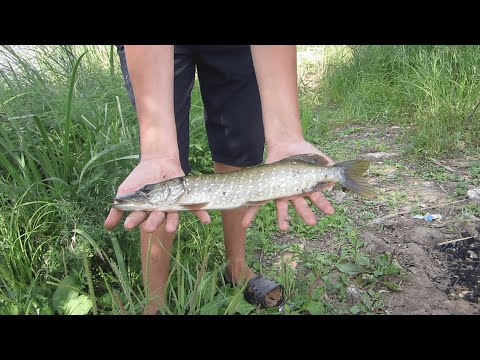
(354, 181)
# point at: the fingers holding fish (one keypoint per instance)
(304, 211)
(319, 200)
(135, 219)
(249, 215)
(202, 215)
(155, 219)
(282, 214)
(113, 218)
(172, 221)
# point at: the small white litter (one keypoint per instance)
(473, 194)
(428, 217)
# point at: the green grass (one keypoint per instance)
(69, 137)
(433, 89)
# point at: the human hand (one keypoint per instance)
(150, 171)
(278, 151)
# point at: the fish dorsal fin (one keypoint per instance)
(308, 158)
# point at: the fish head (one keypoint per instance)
(152, 196)
(137, 200)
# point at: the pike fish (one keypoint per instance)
(250, 186)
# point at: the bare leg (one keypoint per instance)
(159, 265)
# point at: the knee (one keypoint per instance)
(157, 255)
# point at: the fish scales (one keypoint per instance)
(237, 191)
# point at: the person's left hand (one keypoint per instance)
(279, 151)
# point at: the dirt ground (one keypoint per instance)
(441, 279)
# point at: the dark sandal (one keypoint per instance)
(262, 291)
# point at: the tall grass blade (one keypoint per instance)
(68, 120)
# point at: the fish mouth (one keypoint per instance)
(135, 200)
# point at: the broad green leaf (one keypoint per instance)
(46, 310)
(315, 308)
(211, 308)
(318, 293)
(355, 309)
(391, 285)
(245, 308)
(348, 268)
(65, 291)
(105, 300)
(310, 277)
(79, 305)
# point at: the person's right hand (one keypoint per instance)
(150, 171)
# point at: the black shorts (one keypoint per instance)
(232, 108)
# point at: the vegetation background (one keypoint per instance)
(69, 137)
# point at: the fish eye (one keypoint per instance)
(147, 189)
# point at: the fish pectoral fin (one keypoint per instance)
(322, 185)
(308, 158)
(198, 206)
(257, 203)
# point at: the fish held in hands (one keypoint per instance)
(255, 185)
